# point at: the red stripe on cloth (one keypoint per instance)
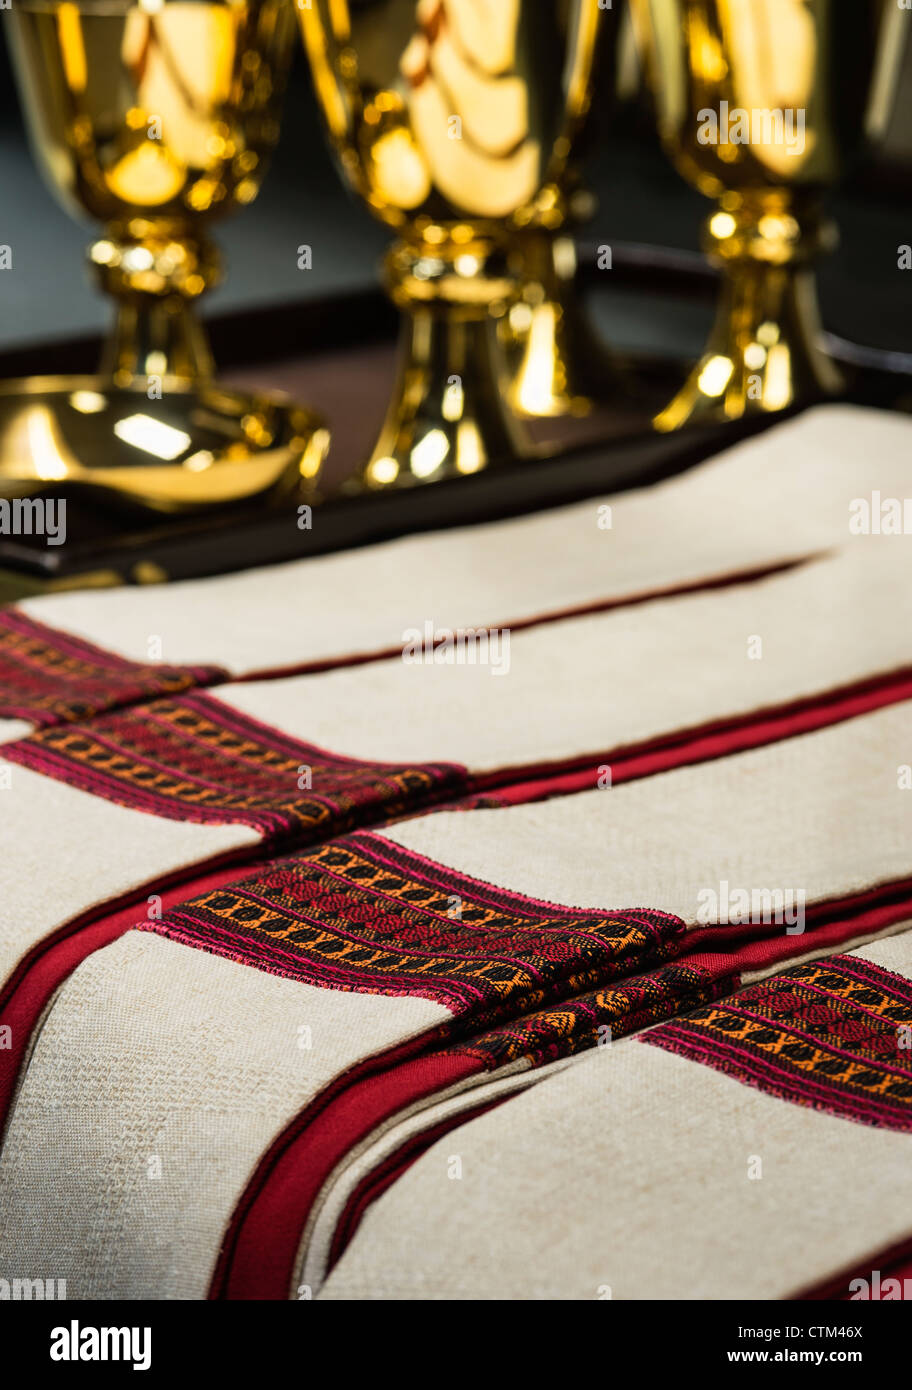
(825, 1033)
(49, 677)
(702, 744)
(842, 923)
(828, 925)
(895, 1262)
(558, 615)
(40, 974)
(195, 759)
(258, 1253)
(257, 1257)
(13, 620)
(381, 1178)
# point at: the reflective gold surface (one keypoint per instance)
(540, 335)
(154, 119)
(762, 105)
(200, 445)
(453, 120)
(558, 364)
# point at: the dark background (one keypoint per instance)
(48, 296)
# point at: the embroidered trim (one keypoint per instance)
(362, 914)
(828, 1034)
(196, 759)
(48, 677)
(598, 1017)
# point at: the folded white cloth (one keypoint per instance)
(181, 1048)
(159, 1073)
(780, 497)
(761, 1151)
(608, 696)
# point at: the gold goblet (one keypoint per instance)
(762, 105)
(155, 119)
(559, 365)
(453, 120)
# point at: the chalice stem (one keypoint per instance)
(771, 317)
(765, 351)
(155, 280)
(154, 336)
(447, 416)
(560, 363)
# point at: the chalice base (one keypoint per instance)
(448, 416)
(198, 446)
(558, 363)
(764, 353)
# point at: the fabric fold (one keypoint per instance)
(777, 1097)
(764, 503)
(295, 761)
(310, 896)
(271, 1029)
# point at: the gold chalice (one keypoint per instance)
(154, 118)
(762, 105)
(454, 121)
(556, 361)
(559, 366)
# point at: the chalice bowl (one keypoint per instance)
(155, 119)
(763, 105)
(454, 121)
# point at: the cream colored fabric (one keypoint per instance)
(156, 1052)
(891, 949)
(153, 1048)
(158, 1079)
(66, 851)
(611, 680)
(13, 728)
(781, 496)
(628, 1175)
(890, 953)
(826, 624)
(365, 1159)
(824, 813)
(313, 1258)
